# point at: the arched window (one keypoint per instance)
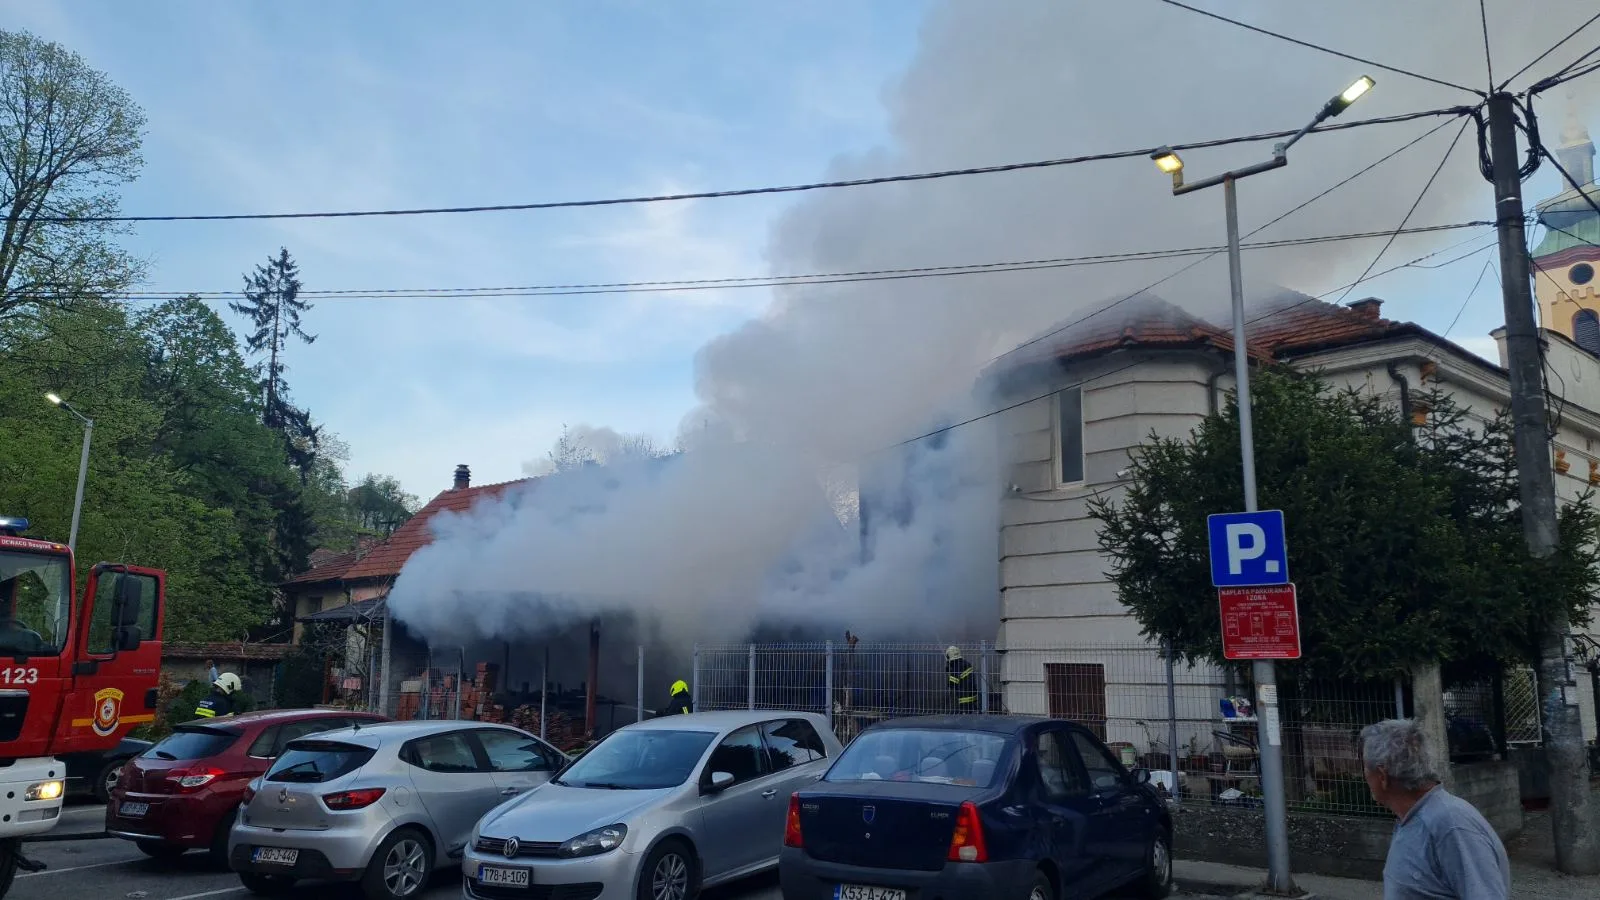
(1586, 330)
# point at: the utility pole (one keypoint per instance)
(1577, 841)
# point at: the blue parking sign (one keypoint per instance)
(1248, 549)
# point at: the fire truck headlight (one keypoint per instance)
(44, 790)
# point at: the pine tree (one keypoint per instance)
(273, 305)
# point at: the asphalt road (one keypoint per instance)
(111, 869)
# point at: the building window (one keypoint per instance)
(1077, 692)
(1586, 330)
(1069, 436)
(1582, 273)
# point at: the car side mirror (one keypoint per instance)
(720, 781)
(1141, 776)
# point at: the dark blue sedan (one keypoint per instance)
(950, 807)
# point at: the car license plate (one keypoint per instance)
(867, 892)
(497, 876)
(277, 856)
(133, 810)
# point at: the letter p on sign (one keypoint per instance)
(1248, 549)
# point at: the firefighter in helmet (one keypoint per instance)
(220, 702)
(963, 687)
(680, 703)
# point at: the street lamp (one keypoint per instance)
(1265, 672)
(83, 463)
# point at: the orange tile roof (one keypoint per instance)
(386, 559)
(328, 567)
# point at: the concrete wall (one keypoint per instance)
(1492, 787)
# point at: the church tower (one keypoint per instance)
(1568, 255)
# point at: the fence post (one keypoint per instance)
(1399, 699)
(1172, 722)
(827, 681)
(983, 675)
(461, 662)
(752, 692)
(638, 715)
(694, 681)
(544, 691)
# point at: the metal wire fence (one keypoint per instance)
(1197, 720)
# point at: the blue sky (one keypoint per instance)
(301, 105)
(297, 105)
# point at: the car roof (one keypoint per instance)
(383, 732)
(273, 716)
(993, 723)
(720, 720)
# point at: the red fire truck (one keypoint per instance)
(76, 674)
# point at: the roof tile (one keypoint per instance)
(386, 559)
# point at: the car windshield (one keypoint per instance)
(193, 743)
(317, 761)
(967, 758)
(35, 603)
(639, 759)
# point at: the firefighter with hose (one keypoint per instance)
(220, 702)
(680, 703)
(963, 686)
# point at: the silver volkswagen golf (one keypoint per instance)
(655, 811)
(381, 804)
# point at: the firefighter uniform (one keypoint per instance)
(680, 703)
(963, 687)
(219, 702)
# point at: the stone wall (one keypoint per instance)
(1493, 788)
(1342, 846)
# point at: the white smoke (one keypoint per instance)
(727, 536)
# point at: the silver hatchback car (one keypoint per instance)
(656, 810)
(381, 804)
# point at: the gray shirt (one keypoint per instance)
(1444, 849)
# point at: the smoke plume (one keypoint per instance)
(737, 532)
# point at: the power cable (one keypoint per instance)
(1319, 47)
(1570, 73)
(747, 192)
(1582, 189)
(1488, 60)
(1055, 390)
(1540, 58)
(1150, 287)
(1487, 265)
(1416, 203)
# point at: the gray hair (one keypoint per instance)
(1402, 750)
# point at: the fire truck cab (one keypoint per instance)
(76, 673)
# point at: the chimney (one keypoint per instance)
(463, 477)
(1367, 308)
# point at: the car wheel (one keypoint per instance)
(109, 775)
(158, 850)
(266, 885)
(1042, 888)
(218, 851)
(668, 873)
(1157, 881)
(9, 848)
(400, 868)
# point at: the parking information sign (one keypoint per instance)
(1260, 622)
(1248, 548)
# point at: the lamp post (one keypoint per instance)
(1265, 672)
(83, 464)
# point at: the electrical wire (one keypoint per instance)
(556, 290)
(1540, 58)
(1580, 188)
(1570, 73)
(1339, 53)
(1150, 287)
(1416, 203)
(747, 192)
(1487, 265)
(1488, 60)
(1055, 390)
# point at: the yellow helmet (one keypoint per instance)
(680, 686)
(952, 653)
(227, 683)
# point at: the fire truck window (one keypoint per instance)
(102, 630)
(34, 604)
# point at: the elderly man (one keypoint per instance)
(1442, 848)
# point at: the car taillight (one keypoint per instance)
(967, 845)
(791, 829)
(357, 799)
(195, 778)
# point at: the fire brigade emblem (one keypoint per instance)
(107, 711)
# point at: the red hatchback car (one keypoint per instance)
(183, 793)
